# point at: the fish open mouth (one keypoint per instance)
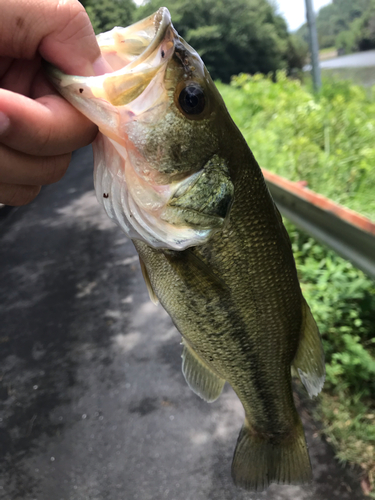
(137, 55)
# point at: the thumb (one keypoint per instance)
(59, 30)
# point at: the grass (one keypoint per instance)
(327, 50)
(327, 53)
(342, 300)
(349, 426)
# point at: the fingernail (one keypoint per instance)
(4, 122)
(101, 66)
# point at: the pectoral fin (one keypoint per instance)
(146, 277)
(204, 199)
(199, 377)
(308, 363)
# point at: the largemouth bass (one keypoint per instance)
(173, 170)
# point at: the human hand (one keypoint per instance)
(38, 128)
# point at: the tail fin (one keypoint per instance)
(259, 461)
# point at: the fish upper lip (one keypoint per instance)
(162, 21)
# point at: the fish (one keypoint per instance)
(174, 172)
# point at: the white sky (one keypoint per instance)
(295, 13)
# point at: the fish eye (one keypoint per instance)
(192, 99)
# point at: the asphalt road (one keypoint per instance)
(93, 402)
(358, 60)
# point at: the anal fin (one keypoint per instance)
(146, 277)
(199, 377)
(308, 363)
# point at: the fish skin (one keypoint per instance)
(234, 297)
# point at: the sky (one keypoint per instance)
(295, 13)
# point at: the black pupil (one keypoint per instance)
(192, 100)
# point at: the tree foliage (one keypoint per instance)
(361, 33)
(316, 138)
(106, 14)
(232, 37)
(334, 19)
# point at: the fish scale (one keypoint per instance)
(173, 170)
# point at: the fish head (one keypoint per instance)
(159, 171)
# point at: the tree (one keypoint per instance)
(105, 14)
(232, 37)
(361, 33)
(334, 19)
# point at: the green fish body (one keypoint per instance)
(173, 170)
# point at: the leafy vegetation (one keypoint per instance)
(324, 139)
(315, 138)
(105, 14)
(364, 76)
(335, 18)
(342, 300)
(361, 33)
(349, 25)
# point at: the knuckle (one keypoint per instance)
(74, 19)
(71, 7)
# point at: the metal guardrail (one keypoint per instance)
(348, 233)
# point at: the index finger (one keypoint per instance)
(48, 125)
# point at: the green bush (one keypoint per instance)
(342, 300)
(304, 136)
(328, 141)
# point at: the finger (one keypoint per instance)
(20, 75)
(60, 30)
(19, 168)
(15, 196)
(48, 125)
(41, 86)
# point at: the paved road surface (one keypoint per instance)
(358, 60)
(93, 402)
